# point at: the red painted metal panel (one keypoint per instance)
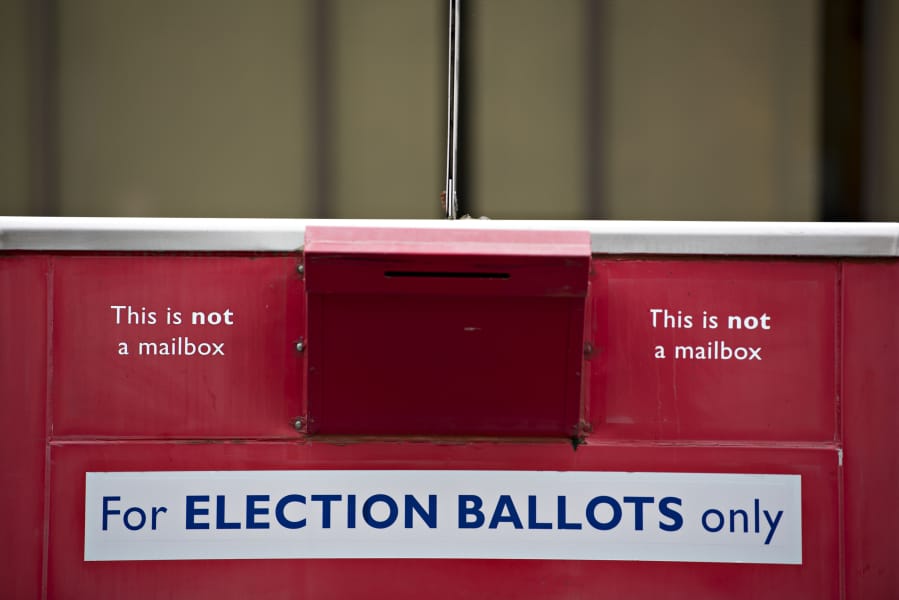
(785, 311)
(389, 368)
(775, 415)
(231, 370)
(871, 427)
(380, 261)
(446, 242)
(70, 576)
(445, 332)
(23, 402)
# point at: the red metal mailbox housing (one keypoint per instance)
(283, 409)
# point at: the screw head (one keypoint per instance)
(298, 423)
(301, 346)
(300, 269)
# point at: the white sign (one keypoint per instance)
(689, 517)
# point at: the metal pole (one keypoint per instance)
(452, 113)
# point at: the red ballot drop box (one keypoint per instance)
(285, 409)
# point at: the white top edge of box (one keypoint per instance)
(725, 238)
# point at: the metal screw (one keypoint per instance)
(301, 346)
(298, 423)
(588, 350)
(300, 269)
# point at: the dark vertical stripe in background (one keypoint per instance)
(322, 90)
(593, 105)
(841, 96)
(873, 107)
(43, 107)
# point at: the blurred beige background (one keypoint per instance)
(623, 109)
